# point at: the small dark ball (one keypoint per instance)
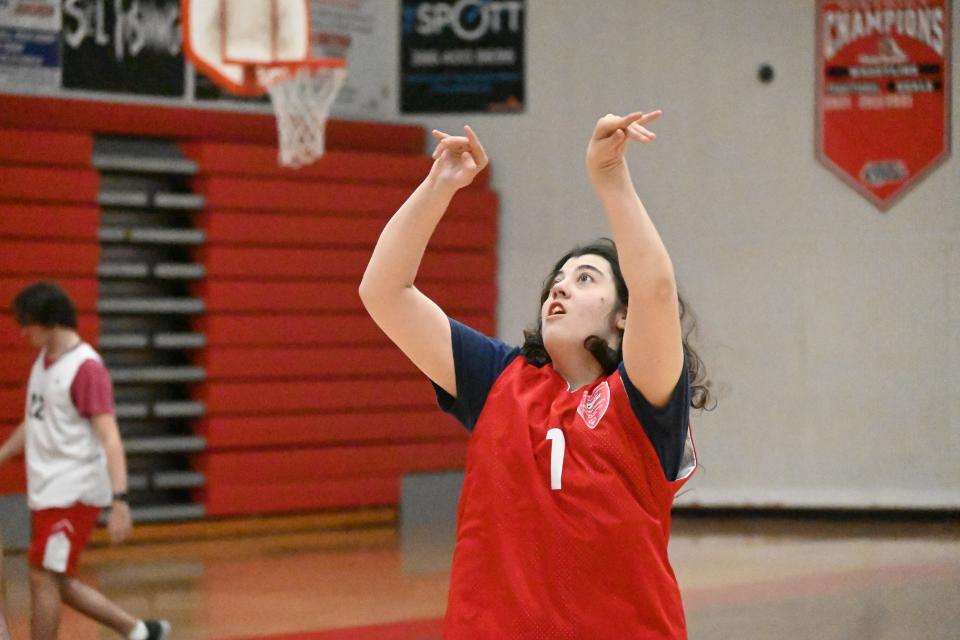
(765, 73)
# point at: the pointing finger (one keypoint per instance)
(629, 119)
(650, 117)
(479, 151)
(635, 127)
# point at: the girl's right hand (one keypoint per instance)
(457, 159)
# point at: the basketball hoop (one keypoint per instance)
(302, 95)
(252, 47)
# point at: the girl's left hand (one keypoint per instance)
(458, 159)
(609, 140)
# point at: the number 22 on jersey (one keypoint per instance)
(557, 450)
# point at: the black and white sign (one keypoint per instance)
(462, 55)
(123, 46)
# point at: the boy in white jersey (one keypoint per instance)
(75, 465)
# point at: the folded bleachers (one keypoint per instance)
(306, 404)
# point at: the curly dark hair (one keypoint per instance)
(536, 353)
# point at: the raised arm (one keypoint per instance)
(652, 340)
(414, 322)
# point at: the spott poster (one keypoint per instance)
(462, 56)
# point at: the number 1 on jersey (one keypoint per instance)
(556, 456)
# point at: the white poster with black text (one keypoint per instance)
(30, 44)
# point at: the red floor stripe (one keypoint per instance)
(407, 630)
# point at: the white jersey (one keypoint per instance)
(66, 462)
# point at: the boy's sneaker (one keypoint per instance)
(157, 629)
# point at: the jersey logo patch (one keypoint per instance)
(594, 405)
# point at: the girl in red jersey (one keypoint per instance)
(580, 438)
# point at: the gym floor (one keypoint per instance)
(742, 576)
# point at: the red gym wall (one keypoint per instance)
(308, 405)
(48, 229)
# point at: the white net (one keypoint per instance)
(301, 101)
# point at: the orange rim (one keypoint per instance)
(286, 71)
(312, 63)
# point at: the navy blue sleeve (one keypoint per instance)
(667, 427)
(478, 362)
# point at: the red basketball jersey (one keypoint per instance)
(564, 518)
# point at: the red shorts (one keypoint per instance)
(59, 535)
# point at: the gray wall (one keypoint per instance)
(831, 330)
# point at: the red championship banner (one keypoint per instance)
(883, 92)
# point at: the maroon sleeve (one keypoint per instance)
(92, 391)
